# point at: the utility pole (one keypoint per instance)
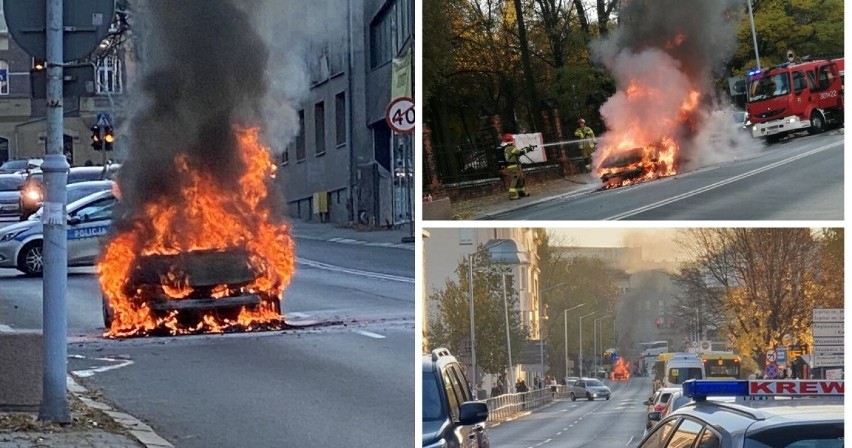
(54, 405)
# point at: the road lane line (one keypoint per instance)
(90, 372)
(330, 267)
(629, 441)
(720, 183)
(369, 334)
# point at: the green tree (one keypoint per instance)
(450, 327)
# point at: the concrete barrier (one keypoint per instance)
(20, 369)
(437, 209)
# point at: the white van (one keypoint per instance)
(672, 369)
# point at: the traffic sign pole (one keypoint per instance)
(54, 405)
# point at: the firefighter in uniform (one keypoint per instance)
(513, 165)
(587, 146)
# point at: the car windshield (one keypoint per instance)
(75, 192)
(11, 183)
(432, 408)
(593, 383)
(14, 165)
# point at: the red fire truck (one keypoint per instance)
(794, 97)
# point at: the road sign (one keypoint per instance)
(821, 350)
(104, 119)
(826, 340)
(828, 315)
(771, 356)
(781, 357)
(86, 23)
(828, 361)
(771, 370)
(400, 115)
(828, 329)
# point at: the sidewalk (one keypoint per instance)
(94, 424)
(352, 235)
(487, 207)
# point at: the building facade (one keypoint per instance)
(344, 166)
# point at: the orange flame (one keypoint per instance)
(676, 41)
(621, 370)
(207, 217)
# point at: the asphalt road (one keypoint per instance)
(618, 422)
(798, 179)
(349, 384)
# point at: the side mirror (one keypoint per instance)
(74, 220)
(648, 402)
(655, 416)
(473, 412)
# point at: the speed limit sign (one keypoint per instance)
(400, 115)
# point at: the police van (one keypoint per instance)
(754, 414)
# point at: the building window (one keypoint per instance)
(319, 127)
(340, 117)
(285, 156)
(109, 75)
(4, 28)
(390, 30)
(4, 78)
(300, 139)
(465, 237)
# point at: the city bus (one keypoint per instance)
(722, 365)
(653, 348)
(672, 369)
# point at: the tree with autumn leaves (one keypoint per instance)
(474, 64)
(756, 285)
(450, 326)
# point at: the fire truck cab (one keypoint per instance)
(791, 97)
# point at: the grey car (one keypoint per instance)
(589, 388)
(10, 191)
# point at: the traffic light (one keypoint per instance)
(109, 137)
(97, 144)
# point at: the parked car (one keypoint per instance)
(657, 403)
(32, 194)
(451, 417)
(89, 219)
(589, 388)
(10, 192)
(19, 166)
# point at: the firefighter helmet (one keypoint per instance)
(581, 122)
(508, 138)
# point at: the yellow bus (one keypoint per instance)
(722, 365)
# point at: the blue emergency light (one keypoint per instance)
(699, 390)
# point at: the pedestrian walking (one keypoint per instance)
(588, 143)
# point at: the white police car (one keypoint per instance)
(754, 414)
(88, 220)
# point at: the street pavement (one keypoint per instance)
(96, 424)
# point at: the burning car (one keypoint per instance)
(621, 370)
(213, 258)
(639, 164)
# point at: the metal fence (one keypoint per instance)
(455, 164)
(506, 406)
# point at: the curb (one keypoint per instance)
(341, 240)
(143, 433)
(495, 215)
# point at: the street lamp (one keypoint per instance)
(565, 318)
(503, 252)
(595, 336)
(580, 357)
(540, 337)
(753, 34)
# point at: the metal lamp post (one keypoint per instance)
(505, 252)
(580, 356)
(753, 34)
(565, 318)
(540, 337)
(595, 336)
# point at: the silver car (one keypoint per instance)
(89, 219)
(589, 388)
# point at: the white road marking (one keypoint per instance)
(5, 329)
(629, 441)
(720, 183)
(329, 267)
(369, 334)
(90, 372)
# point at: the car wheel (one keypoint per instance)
(108, 313)
(607, 398)
(774, 138)
(589, 396)
(817, 123)
(573, 398)
(31, 259)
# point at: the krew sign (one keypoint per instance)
(801, 387)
